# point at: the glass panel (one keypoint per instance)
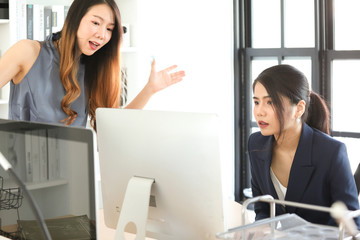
(254, 129)
(345, 91)
(266, 24)
(346, 15)
(352, 146)
(299, 33)
(257, 66)
(301, 63)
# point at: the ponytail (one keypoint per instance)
(318, 113)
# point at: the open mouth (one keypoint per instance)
(94, 45)
(262, 124)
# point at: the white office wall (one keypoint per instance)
(197, 35)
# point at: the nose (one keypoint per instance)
(101, 33)
(259, 110)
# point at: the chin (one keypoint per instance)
(88, 53)
(266, 133)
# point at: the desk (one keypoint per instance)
(106, 233)
(232, 211)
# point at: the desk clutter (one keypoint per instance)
(283, 227)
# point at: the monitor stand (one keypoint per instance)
(135, 207)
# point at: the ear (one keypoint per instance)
(300, 108)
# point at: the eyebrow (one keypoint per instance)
(102, 19)
(263, 97)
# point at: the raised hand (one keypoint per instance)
(164, 78)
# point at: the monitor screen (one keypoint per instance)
(180, 152)
(56, 163)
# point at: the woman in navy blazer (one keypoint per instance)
(293, 158)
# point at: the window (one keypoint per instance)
(313, 36)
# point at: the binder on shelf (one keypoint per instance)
(28, 162)
(38, 22)
(53, 155)
(29, 21)
(58, 15)
(35, 160)
(42, 20)
(17, 12)
(43, 155)
(47, 21)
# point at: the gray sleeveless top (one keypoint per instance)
(38, 96)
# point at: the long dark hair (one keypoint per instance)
(102, 69)
(287, 81)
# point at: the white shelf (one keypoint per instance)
(40, 185)
(3, 21)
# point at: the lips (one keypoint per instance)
(262, 124)
(94, 45)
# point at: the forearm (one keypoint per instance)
(141, 99)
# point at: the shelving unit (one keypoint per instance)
(47, 184)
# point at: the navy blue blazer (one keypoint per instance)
(320, 175)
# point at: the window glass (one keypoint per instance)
(257, 66)
(299, 24)
(254, 129)
(346, 19)
(345, 94)
(301, 63)
(266, 24)
(352, 147)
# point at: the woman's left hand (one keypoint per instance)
(164, 78)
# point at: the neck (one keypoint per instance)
(289, 139)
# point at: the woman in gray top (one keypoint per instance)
(66, 77)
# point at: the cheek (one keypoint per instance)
(255, 111)
(108, 37)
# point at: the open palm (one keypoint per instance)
(164, 78)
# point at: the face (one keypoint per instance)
(265, 115)
(95, 29)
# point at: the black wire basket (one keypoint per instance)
(10, 198)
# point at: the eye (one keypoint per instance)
(256, 102)
(110, 29)
(96, 23)
(269, 102)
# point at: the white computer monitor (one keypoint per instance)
(180, 151)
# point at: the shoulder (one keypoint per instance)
(27, 47)
(257, 141)
(325, 140)
(325, 147)
(25, 53)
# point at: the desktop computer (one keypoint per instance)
(169, 165)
